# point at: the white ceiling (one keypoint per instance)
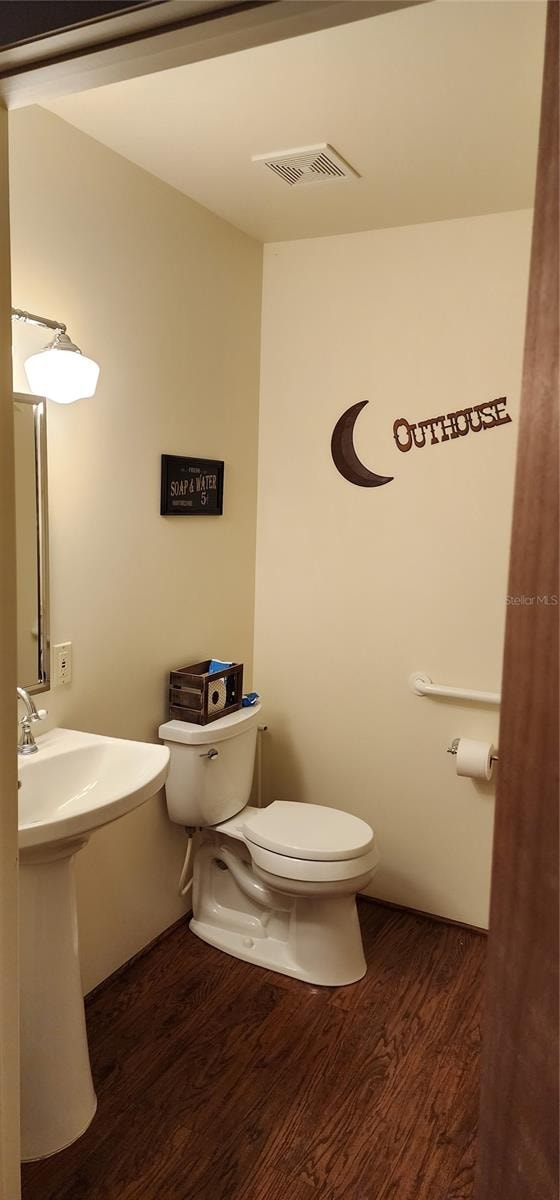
(435, 106)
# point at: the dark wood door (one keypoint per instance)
(518, 1155)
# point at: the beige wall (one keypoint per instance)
(167, 298)
(356, 588)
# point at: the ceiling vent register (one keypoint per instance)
(309, 164)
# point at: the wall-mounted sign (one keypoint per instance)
(444, 428)
(452, 425)
(191, 486)
(344, 455)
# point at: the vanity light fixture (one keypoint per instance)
(60, 371)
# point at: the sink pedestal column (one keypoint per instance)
(57, 1097)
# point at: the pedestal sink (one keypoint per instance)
(74, 784)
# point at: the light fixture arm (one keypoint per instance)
(18, 314)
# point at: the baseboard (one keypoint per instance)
(160, 937)
(418, 912)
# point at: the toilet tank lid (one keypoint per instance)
(310, 831)
(216, 731)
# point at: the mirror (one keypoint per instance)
(32, 547)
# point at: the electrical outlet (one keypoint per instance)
(62, 664)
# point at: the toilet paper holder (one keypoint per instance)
(452, 749)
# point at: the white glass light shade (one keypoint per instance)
(61, 372)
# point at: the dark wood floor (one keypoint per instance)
(220, 1081)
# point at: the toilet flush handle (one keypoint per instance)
(210, 754)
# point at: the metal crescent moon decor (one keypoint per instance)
(344, 455)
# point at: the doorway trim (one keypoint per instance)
(157, 39)
(518, 1139)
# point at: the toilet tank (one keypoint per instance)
(204, 788)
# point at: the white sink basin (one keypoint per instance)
(79, 781)
(74, 784)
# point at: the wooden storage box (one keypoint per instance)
(198, 696)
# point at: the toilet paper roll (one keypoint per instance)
(217, 696)
(474, 759)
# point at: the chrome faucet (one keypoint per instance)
(26, 741)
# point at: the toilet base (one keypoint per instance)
(274, 955)
(313, 938)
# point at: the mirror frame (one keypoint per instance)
(39, 403)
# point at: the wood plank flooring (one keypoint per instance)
(219, 1081)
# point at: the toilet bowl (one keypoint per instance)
(274, 886)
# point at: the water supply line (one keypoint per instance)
(184, 887)
(261, 729)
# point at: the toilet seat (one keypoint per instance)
(309, 842)
(313, 870)
(311, 832)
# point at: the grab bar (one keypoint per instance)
(422, 686)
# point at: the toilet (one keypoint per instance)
(274, 886)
